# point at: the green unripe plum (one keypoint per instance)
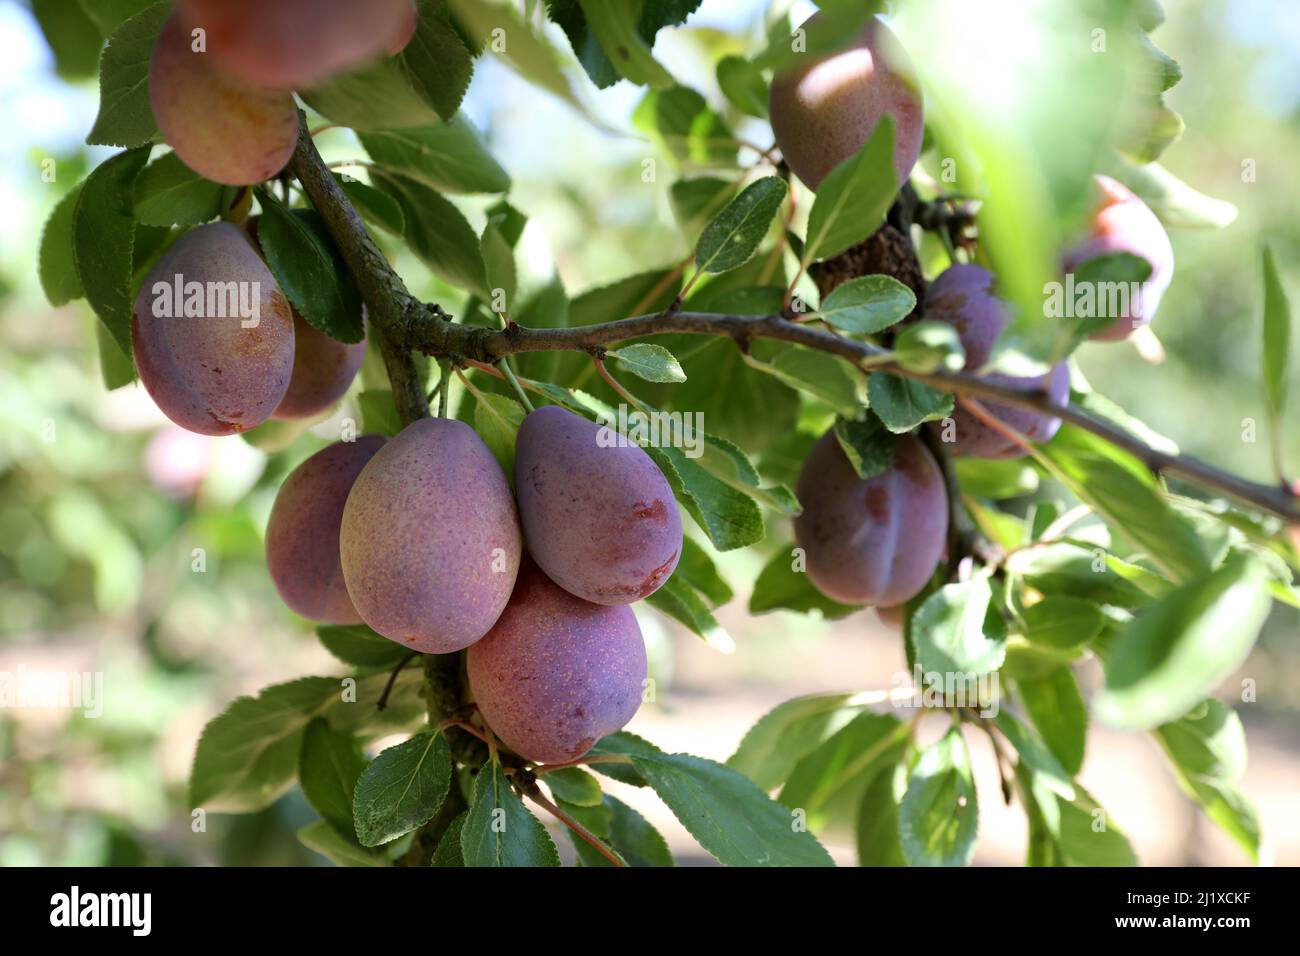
(963, 296)
(208, 367)
(224, 128)
(875, 541)
(430, 538)
(323, 368)
(1124, 223)
(302, 535)
(296, 44)
(600, 521)
(823, 111)
(556, 673)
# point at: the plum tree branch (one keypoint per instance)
(405, 325)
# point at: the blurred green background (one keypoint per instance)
(106, 510)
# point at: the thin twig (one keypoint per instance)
(392, 679)
(534, 794)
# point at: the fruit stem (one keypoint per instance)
(619, 389)
(535, 794)
(382, 702)
(514, 383)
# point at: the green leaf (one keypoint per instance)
(1062, 622)
(497, 420)
(938, 816)
(1069, 569)
(574, 785)
(928, 347)
(1087, 837)
(878, 837)
(402, 788)
(58, 267)
(169, 193)
(615, 24)
(654, 363)
(116, 368)
(837, 773)
(1176, 203)
(728, 815)
(379, 96)
(1045, 770)
(735, 233)
(681, 602)
(902, 403)
(72, 36)
(1277, 343)
(449, 851)
(771, 748)
(686, 125)
(499, 269)
(329, 843)
(103, 233)
(359, 646)
(309, 269)
(379, 412)
(125, 116)
(500, 830)
(1181, 647)
(780, 587)
(743, 85)
(820, 374)
(853, 198)
(572, 18)
(247, 756)
(867, 304)
(437, 63)
(730, 517)
(109, 14)
(449, 157)
(957, 631)
(832, 30)
(437, 233)
(695, 201)
(328, 767)
(867, 444)
(1056, 707)
(376, 207)
(633, 837)
(697, 569)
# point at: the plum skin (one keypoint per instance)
(823, 111)
(1124, 223)
(600, 521)
(323, 368)
(225, 129)
(556, 673)
(963, 296)
(430, 540)
(211, 375)
(302, 534)
(875, 541)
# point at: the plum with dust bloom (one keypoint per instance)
(825, 109)
(210, 369)
(224, 128)
(557, 673)
(302, 535)
(599, 519)
(963, 296)
(871, 541)
(1124, 223)
(430, 540)
(323, 368)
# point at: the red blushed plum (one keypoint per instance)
(1124, 223)
(302, 536)
(963, 297)
(430, 539)
(875, 541)
(323, 368)
(600, 520)
(295, 44)
(212, 333)
(224, 128)
(557, 673)
(824, 110)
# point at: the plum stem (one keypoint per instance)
(546, 768)
(534, 793)
(382, 702)
(514, 383)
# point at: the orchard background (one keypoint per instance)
(103, 502)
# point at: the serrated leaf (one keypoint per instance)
(867, 444)
(743, 85)
(867, 304)
(781, 588)
(449, 157)
(730, 517)
(615, 24)
(939, 814)
(72, 36)
(169, 193)
(654, 15)
(1062, 622)
(58, 266)
(497, 420)
(771, 748)
(574, 785)
(826, 377)
(679, 601)
(957, 631)
(839, 770)
(359, 646)
(436, 61)
(376, 207)
(696, 568)
(877, 832)
(125, 116)
(500, 830)
(853, 198)
(903, 403)
(402, 788)
(654, 363)
(1056, 707)
(634, 838)
(329, 765)
(499, 269)
(309, 269)
(325, 840)
(1046, 771)
(1277, 343)
(695, 201)
(687, 126)
(735, 233)
(437, 233)
(449, 851)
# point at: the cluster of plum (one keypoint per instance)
(878, 541)
(223, 72)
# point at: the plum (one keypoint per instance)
(296, 44)
(226, 129)
(556, 673)
(824, 110)
(302, 535)
(1124, 223)
(430, 540)
(874, 541)
(601, 521)
(963, 296)
(208, 367)
(323, 368)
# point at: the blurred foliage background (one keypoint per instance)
(133, 549)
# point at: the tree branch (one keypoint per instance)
(405, 324)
